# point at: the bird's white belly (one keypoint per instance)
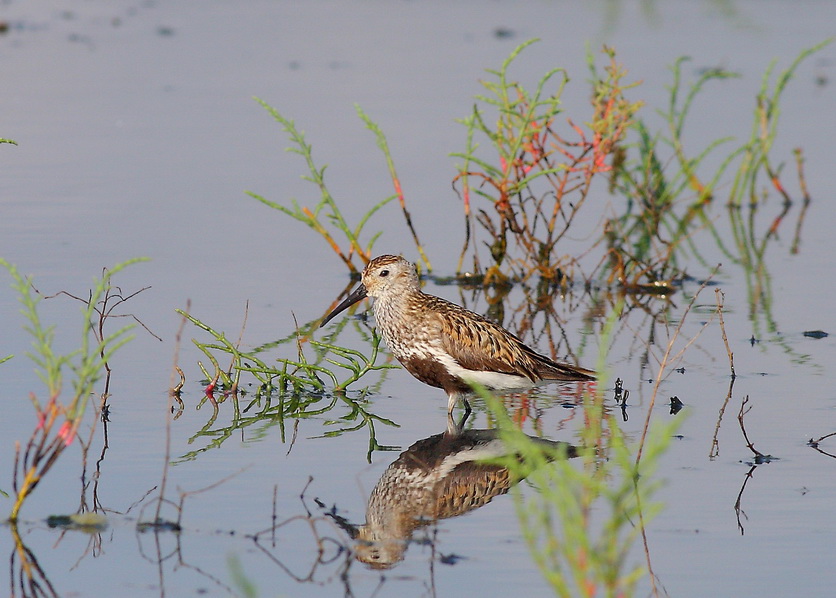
(487, 378)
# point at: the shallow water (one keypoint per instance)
(138, 137)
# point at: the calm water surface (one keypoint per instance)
(138, 137)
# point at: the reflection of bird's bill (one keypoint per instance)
(356, 295)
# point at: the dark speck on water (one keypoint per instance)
(450, 559)
(676, 405)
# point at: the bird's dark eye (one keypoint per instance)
(384, 272)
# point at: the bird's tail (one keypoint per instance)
(552, 370)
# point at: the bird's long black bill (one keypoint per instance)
(356, 295)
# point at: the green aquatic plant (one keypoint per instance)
(669, 191)
(326, 217)
(542, 173)
(582, 519)
(527, 174)
(61, 412)
(390, 163)
(242, 583)
(756, 223)
(289, 389)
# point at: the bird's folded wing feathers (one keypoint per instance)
(484, 347)
(490, 347)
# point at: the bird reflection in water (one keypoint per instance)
(438, 477)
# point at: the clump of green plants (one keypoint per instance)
(60, 413)
(528, 170)
(542, 172)
(583, 519)
(291, 388)
(668, 197)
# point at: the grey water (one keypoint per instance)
(138, 136)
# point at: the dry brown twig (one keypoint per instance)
(174, 371)
(320, 541)
(715, 443)
(666, 359)
(759, 459)
(815, 444)
(720, 296)
(759, 456)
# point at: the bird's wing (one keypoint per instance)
(478, 344)
(548, 369)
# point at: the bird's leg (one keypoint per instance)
(465, 415)
(467, 410)
(452, 399)
(453, 428)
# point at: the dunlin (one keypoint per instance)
(436, 478)
(445, 345)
